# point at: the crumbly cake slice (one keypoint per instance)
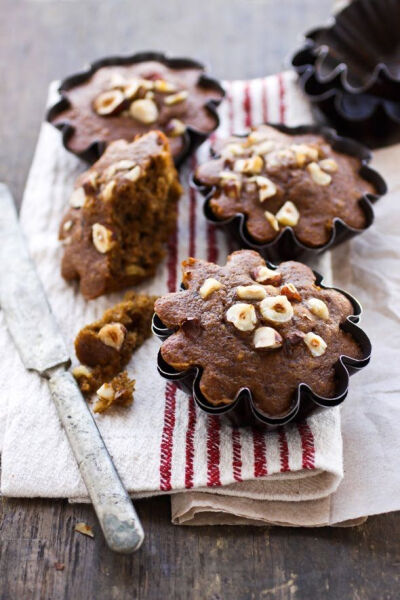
(121, 213)
(105, 347)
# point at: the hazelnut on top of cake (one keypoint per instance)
(248, 326)
(279, 180)
(121, 213)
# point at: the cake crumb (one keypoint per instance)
(119, 391)
(85, 529)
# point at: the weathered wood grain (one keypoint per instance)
(41, 40)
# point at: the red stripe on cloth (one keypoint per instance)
(282, 94)
(264, 100)
(167, 437)
(212, 248)
(213, 451)
(189, 450)
(247, 105)
(172, 260)
(307, 445)
(229, 99)
(283, 450)
(260, 454)
(192, 216)
(236, 455)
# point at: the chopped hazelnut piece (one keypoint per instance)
(229, 175)
(106, 392)
(304, 152)
(176, 98)
(113, 334)
(251, 165)
(102, 238)
(290, 291)
(67, 225)
(175, 127)
(264, 147)
(144, 110)
(267, 276)
(131, 89)
(280, 158)
(233, 149)
(276, 309)
(266, 188)
(133, 174)
(242, 316)
(78, 198)
(81, 371)
(288, 214)
(268, 338)
(329, 165)
(118, 392)
(85, 529)
(108, 190)
(146, 84)
(91, 180)
(318, 308)
(209, 286)
(123, 165)
(164, 87)
(315, 344)
(251, 292)
(318, 175)
(272, 220)
(255, 137)
(109, 103)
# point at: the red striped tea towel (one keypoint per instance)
(163, 444)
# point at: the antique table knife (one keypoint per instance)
(42, 349)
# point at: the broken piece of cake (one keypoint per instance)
(105, 347)
(118, 392)
(121, 213)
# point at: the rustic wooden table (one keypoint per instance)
(41, 40)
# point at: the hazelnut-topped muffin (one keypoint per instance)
(121, 213)
(119, 101)
(279, 180)
(248, 326)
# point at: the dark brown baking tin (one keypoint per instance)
(350, 71)
(242, 411)
(286, 246)
(193, 138)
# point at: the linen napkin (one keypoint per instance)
(368, 266)
(163, 444)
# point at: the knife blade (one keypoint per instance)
(42, 349)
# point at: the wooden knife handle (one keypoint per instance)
(114, 508)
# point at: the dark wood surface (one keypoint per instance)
(41, 40)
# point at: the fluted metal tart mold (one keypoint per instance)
(242, 410)
(286, 245)
(350, 70)
(193, 138)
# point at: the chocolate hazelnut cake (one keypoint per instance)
(121, 213)
(278, 180)
(122, 100)
(246, 325)
(106, 346)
